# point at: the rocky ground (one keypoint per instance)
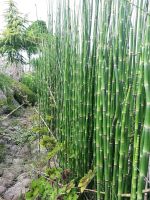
(16, 155)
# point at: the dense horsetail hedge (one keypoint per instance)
(94, 80)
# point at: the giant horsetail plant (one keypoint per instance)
(93, 77)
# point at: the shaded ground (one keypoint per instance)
(16, 155)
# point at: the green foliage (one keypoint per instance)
(53, 185)
(86, 180)
(17, 90)
(9, 108)
(44, 189)
(70, 186)
(54, 152)
(5, 82)
(11, 43)
(23, 94)
(71, 196)
(48, 142)
(38, 27)
(40, 188)
(17, 38)
(6, 87)
(48, 118)
(33, 36)
(30, 81)
(3, 102)
(97, 70)
(54, 173)
(23, 136)
(40, 130)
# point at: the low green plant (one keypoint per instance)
(5, 82)
(23, 137)
(56, 183)
(55, 186)
(54, 173)
(23, 94)
(14, 89)
(42, 130)
(84, 182)
(11, 105)
(29, 80)
(48, 142)
(44, 189)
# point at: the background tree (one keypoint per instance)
(19, 37)
(34, 35)
(12, 40)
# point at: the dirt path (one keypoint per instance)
(15, 155)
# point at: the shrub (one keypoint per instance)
(29, 80)
(16, 90)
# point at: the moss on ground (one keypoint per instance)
(14, 89)
(23, 93)
(3, 102)
(29, 79)
(5, 82)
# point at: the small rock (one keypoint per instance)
(19, 188)
(5, 123)
(2, 95)
(5, 182)
(16, 169)
(26, 182)
(8, 160)
(2, 189)
(2, 141)
(1, 172)
(14, 149)
(12, 129)
(9, 146)
(8, 174)
(18, 161)
(24, 151)
(13, 191)
(22, 176)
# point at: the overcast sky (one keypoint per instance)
(29, 7)
(26, 7)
